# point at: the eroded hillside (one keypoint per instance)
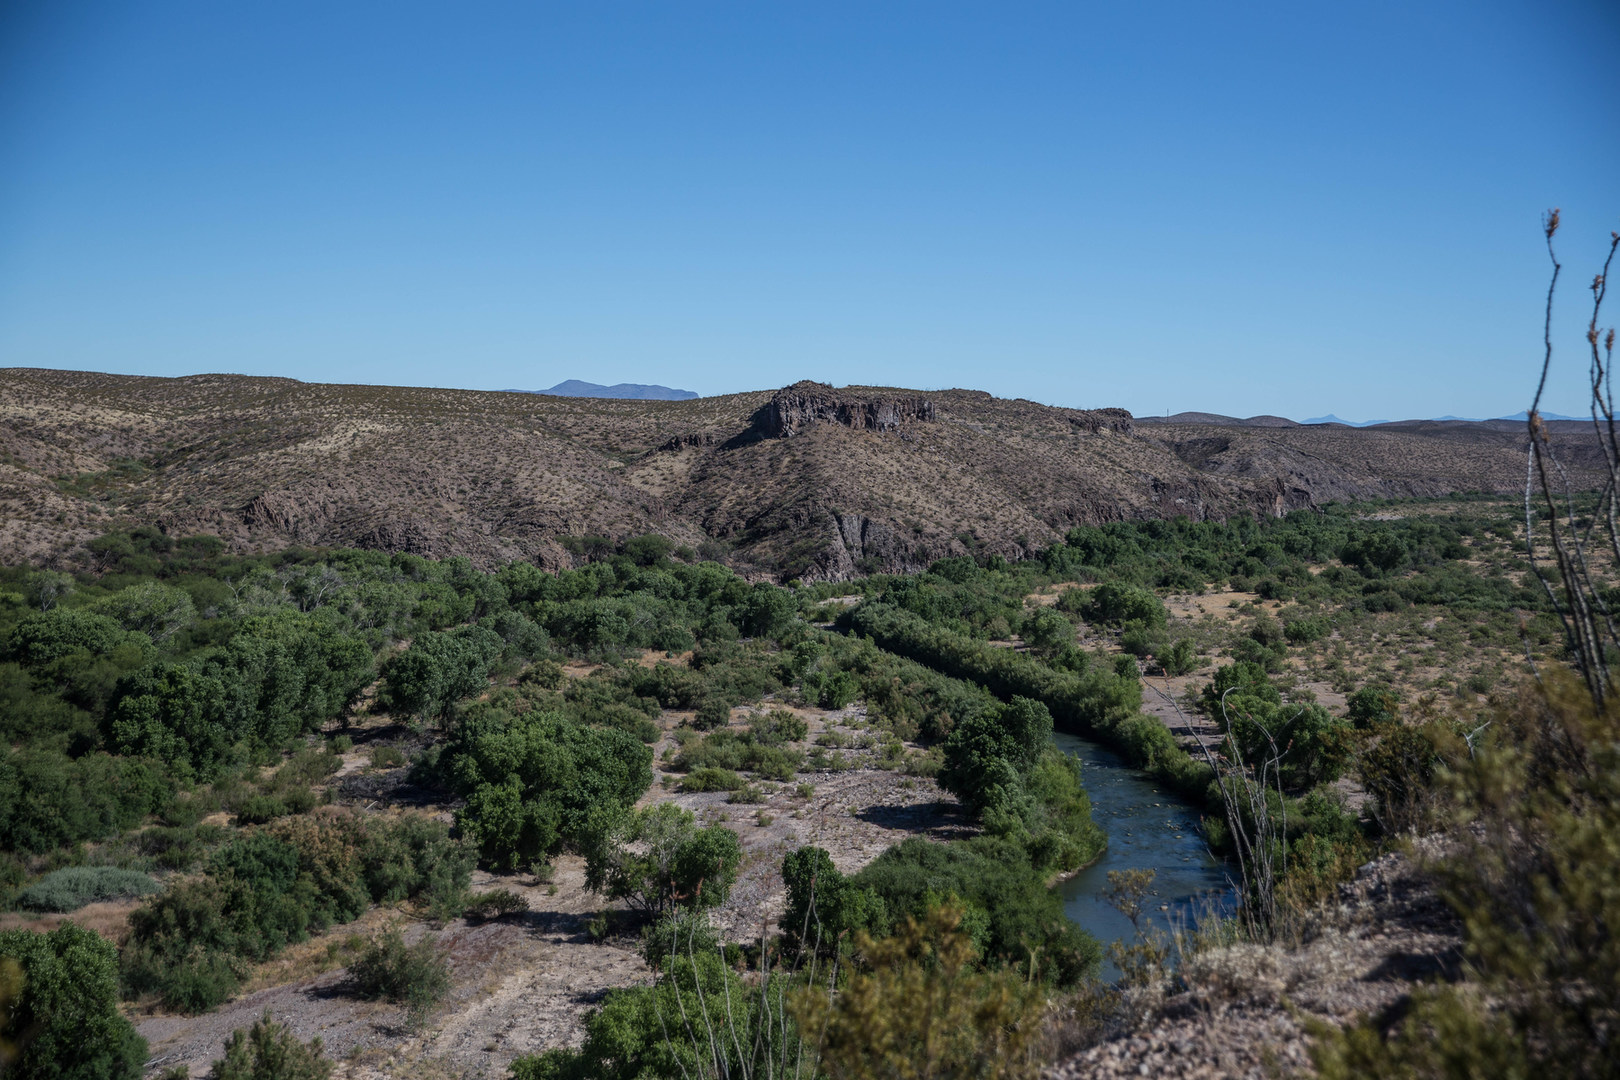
(808, 482)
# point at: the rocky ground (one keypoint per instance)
(524, 983)
(1241, 1011)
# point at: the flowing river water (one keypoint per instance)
(1148, 828)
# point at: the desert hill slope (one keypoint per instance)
(807, 482)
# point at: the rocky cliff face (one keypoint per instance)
(803, 404)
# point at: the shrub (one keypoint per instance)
(415, 976)
(72, 887)
(440, 668)
(495, 904)
(921, 998)
(824, 908)
(777, 727)
(542, 674)
(1303, 631)
(714, 712)
(1010, 909)
(270, 1051)
(68, 1003)
(274, 886)
(711, 779)
(657, 858)
(1534, 877)
(1372, 706)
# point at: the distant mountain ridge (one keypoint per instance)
(809, 482)
(1280, 421)
(1519, 417)
(624, 390)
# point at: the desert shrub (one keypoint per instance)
(495, 904)
(174, 848)
(68, 1006)
(72, 887)
(921, 1006)
(1399, 768)
(440, 668)
(709, 778)
(274, 886)
(1535, 879)
(1180, 658)
(1372, 706)
(986, 757)
(48, 800)
(1116, 603)
(259, 809)
(824, 908)
(542, 674)
(714, 712)
(1009, 909)
(658, 859)
(409, 856)
(1047, 630)
(1303, 631)
(416, 975)
(1002, 766)
(625, 1040)
(719, 750)
(48, 636)
(772, 762)
(678, 933)
(831, 688)
(270, 1051)
(777, 727)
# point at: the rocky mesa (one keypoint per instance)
(810, 481)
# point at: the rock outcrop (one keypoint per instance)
(804, 404)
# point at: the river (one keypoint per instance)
(1148, 828)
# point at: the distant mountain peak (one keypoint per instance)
(631, 391)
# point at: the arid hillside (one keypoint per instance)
(808, 482)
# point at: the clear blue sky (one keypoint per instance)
(1292, 208)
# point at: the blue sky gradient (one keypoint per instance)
(1241, 208)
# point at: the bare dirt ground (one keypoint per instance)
(523, 984)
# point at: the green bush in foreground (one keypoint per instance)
(415, 975)
(1535, 879)
(72, 887)
(68, 1008)
(270, 1051)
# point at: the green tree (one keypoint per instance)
(824, 908)
(175, 714)
(987, 755)
(1112, 602)
(534, 782)
(151, 607)
(658, 859)
(440, 668)
(40, 638)
(67, 1012)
